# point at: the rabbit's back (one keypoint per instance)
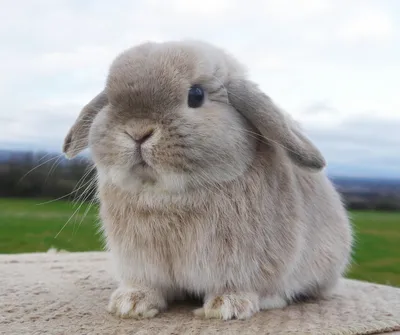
(328, 235)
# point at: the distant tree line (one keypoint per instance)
(372, 201)
(51, 176)
(45, 175)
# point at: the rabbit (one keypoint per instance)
(207, 188)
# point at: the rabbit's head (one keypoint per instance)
(178, 114)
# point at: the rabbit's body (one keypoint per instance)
(217, 209)
(194, 242)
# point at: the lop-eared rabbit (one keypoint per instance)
(207, 188)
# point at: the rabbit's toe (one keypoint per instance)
(136, 303)
(230, 306)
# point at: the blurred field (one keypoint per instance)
(377, 248)
(32, 226)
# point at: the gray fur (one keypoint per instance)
(232, 205)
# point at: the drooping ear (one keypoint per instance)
(77, 137)
(258, 108)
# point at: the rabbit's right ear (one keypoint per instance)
(77, 138)
(258, 108)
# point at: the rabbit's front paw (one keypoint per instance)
(230, 306)
(136, 302)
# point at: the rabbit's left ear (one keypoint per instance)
(77, 137)
(258, 108)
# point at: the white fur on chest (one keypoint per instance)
(191, 242)
(189, 256)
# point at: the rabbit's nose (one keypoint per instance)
(143, 137)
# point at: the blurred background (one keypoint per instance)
(333, 65)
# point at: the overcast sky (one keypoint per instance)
(334, 65)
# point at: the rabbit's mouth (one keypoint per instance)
(143, 172)
(142, 168)
(142, 165)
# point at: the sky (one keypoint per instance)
(333, 65)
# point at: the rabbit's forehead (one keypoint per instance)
(157, 74)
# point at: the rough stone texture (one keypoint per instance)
(66, 293)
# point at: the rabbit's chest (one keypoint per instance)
(203, 253)
(190, 251)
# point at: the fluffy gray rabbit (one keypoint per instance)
(207, 188)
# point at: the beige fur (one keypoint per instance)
(232, 204)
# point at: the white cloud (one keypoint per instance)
(206, 7)
(288, 10)
(80, 58)
(368, 24)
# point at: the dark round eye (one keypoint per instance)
(195, 96)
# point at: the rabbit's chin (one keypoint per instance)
(143, 177)
(138, 178)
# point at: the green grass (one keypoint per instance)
(377, 247)
(34, 226)
(31, 226)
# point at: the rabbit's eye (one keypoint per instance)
(195, 96)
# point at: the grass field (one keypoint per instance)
(32, 226)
